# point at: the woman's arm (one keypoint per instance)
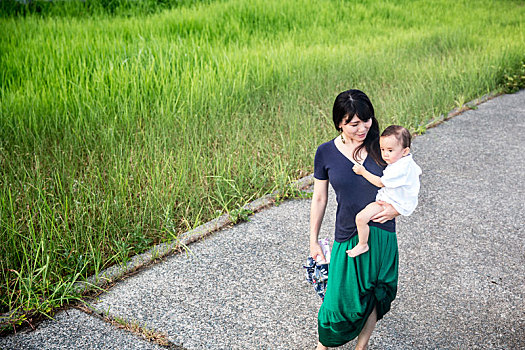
(388, 213)
(317, 209)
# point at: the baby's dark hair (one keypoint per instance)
(402, 134)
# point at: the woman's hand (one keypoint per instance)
(388, 213)
(316, 252)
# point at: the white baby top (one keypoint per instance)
(401, 181)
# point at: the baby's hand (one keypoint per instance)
(358, 169)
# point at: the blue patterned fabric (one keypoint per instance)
(317, 275)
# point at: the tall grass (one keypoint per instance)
(120, 131)
(86, 8)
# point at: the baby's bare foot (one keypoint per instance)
(357, 250)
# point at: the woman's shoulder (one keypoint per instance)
(328, 146)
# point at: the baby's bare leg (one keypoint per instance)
(361, 221)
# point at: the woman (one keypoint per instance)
(361, 289)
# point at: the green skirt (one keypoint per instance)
(357, 285)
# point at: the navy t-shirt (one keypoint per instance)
(353, 192)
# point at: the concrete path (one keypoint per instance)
(462, 263)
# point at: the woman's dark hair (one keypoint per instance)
(402, 134)
(352, 103)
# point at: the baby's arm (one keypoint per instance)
(373, 179)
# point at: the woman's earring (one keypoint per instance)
(342, 138)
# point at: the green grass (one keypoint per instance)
(123, 128)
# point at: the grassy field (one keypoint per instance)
(123, 128)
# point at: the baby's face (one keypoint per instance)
(391, 149)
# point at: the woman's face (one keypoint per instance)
(356, 129)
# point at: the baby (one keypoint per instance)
(399, 183)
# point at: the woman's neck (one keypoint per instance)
(348, 148)
(349, 143)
